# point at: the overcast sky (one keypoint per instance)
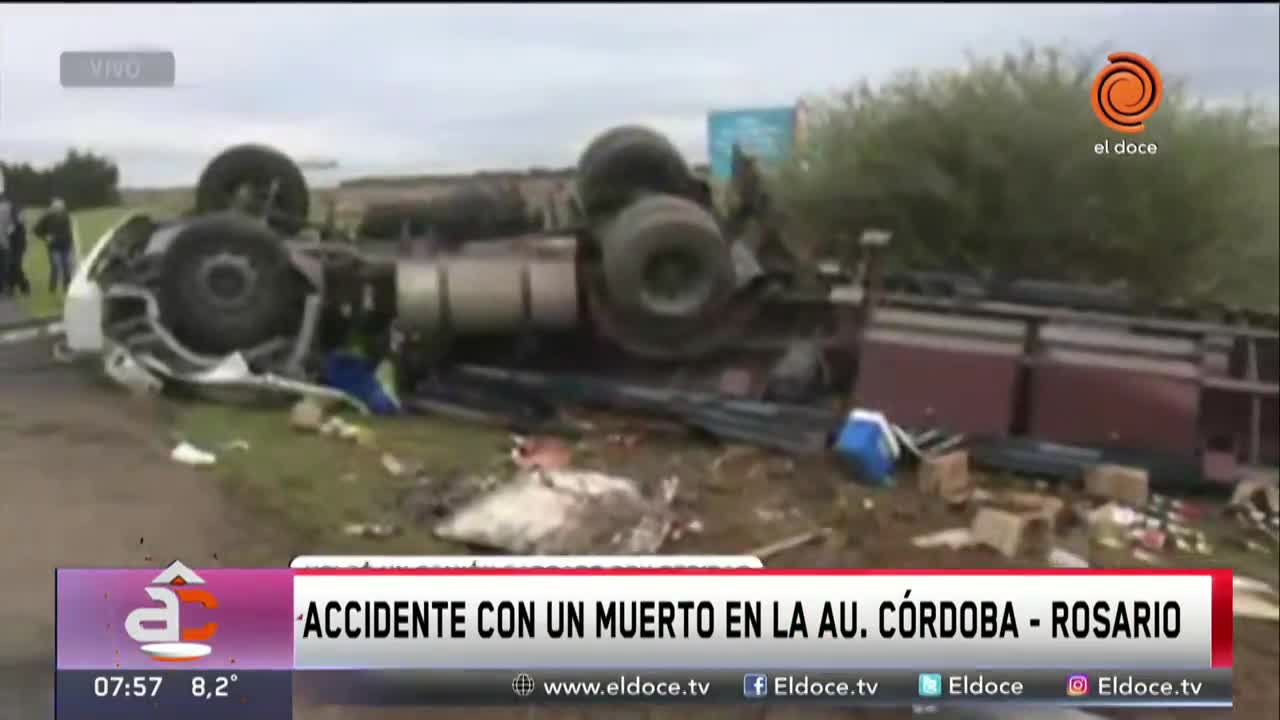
(435, 88)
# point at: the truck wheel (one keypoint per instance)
(228, 284)
(625, 161)
(663, 257)
(256, 167)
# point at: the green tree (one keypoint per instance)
(992, 168)
(82, 179)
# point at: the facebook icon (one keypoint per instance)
(755, 686)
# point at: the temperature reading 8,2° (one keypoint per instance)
(213, 687)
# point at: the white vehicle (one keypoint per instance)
(82, 311)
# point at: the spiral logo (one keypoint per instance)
(1126, 92)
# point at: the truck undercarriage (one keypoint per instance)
(647, 281)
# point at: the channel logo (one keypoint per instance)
(159, 630)
(1078, 685)
(755, 686)
(930, 685)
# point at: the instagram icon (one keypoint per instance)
(1077, 685)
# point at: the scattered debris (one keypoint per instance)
(947, 477)
(331, 427)
(1255, 546)
(1109, 525)
(1145, 557)
(122, 368)
(928, 442)
(561, 513)
(189, 454)
(1249, 585)
(349, 432)
(776, 548)
(769, 516)
(1254, 606)
(692, 527)
(1257, 494)
(1154, 540)
(1126, 485)
(1110, 542)
(1065, 559)
(955, 538)
(378, 531)
(1011, 533)
(1115, 515)
(307, 415)
(231, 379)
(670, 488)
(547, 453)
(340, 428)
(392, 465)
(1202, 546)
(626, 440)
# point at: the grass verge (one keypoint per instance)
(308, 487)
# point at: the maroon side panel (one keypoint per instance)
(970, 391)
(1104, 404)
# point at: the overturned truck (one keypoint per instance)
(646, 272)
(648, 278)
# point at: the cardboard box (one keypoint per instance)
(946, 476)
(1013, 534)
(1118, 483)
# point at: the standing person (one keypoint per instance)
(55, 228)
(7, 215)
(18, 282)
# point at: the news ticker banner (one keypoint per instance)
(349, 632)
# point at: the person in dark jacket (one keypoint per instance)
(18, 282)
(55, 228)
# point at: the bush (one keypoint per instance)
(992, 169)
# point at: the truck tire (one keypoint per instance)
(625, 161)
(227, 284)
(258, 166)
(664, 258)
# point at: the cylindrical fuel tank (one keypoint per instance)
(486, 294)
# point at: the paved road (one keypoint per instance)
(86, 481)
(10, 311)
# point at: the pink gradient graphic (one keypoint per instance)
(254, 617)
